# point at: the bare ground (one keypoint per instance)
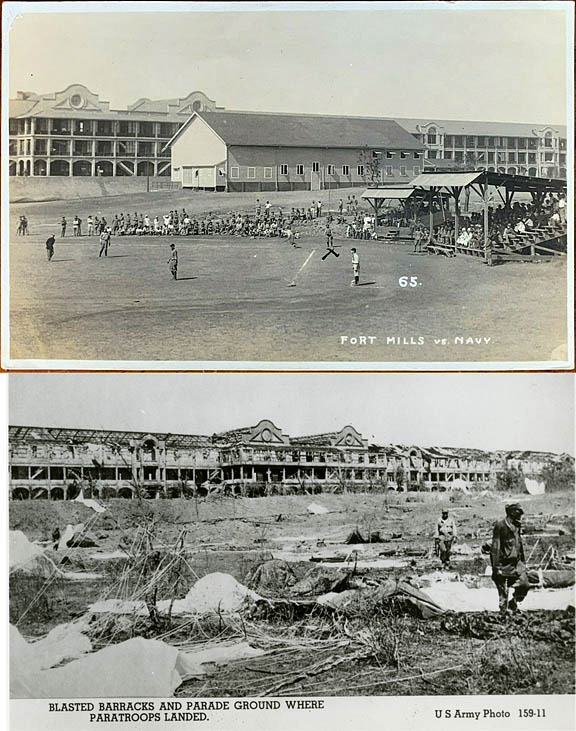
(234, 303)
(400, 654)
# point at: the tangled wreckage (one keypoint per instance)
(155, 625)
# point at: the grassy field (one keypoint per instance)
(233, 301)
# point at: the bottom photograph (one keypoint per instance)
(266, 535)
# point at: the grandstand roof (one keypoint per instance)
(388, 193)
(258, 129)
(455, 179)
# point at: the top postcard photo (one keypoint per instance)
(282, 186)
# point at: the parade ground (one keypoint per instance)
(243, 299)
(229, 542)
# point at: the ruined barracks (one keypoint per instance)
(56, 463)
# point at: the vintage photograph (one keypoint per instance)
(250, 536)
(372, 186)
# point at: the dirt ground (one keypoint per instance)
(458, 653)
(233, 301)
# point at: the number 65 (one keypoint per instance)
(408, 281)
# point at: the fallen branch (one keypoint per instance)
(320, 668)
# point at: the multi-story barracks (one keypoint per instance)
(57, 463)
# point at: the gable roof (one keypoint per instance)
(259, 129)
(181, 104)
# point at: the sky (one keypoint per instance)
(488, 411)
(443, 60)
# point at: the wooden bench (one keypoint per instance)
(440, 250)
(469, 250)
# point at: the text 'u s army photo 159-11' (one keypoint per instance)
(392, 197)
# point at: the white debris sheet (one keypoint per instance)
(28, 557)
(92, 504)
(63, 642)
(198, 663)
(70, 532)
(135, 668)
(534, 487)
(215, 592)
(457, 597)
(21, 550)
(317, 509)
(108, 555)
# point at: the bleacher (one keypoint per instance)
(544, 242)
(537, 244)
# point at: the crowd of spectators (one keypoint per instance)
(503, 224)
(361, 227)
(264, 221)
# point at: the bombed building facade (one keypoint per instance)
(57, 463)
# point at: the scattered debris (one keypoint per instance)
(317, 509)
(74, 536)
(356, 537)
(558, 626)
(319, 581)
(272, 578)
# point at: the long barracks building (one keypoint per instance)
(56, 463)
(73, 133)
(255, 151)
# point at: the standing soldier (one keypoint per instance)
(76, 226)
(488, 248)
(90, 224)
(329, 238)
(445, 536)
(173, 261)
(104, 242)
(355, 268)
(50, 241)
(507, 559)
(418, 236)
(290, 236)
(63, 225)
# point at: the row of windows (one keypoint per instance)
(60, 167)
(104, 127)
(473, 141)
(89, 148)
(69, 473)
(501, 157)
(330, 170)
(57, 474)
